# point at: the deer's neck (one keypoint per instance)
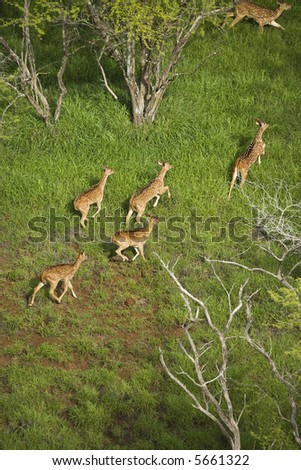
(103, 181)
(76, 265)
(277, 12)
(258, 135)
(150, 227)
(161, 174)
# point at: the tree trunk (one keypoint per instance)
(236, 445)
(144, 106)
(138, 102)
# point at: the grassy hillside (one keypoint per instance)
(85, 374)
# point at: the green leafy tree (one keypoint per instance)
(146, 39)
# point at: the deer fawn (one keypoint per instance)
(135, 238)
(55, 274)
(263, 16)
(92, 195)
(155, 188)
(252, 153)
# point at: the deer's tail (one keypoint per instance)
(234, 176)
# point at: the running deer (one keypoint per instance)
(252, 153)
(135, 238)
(92, 195)
(263, 16)
(155, 188)
(55, 274)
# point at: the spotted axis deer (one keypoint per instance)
(54, 274)
(263, 16)
(155, 188)
(92, 195)
(135, 238)
(251, 154)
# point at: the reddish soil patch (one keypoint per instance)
(131, 322)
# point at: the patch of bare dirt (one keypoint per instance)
(130, 321)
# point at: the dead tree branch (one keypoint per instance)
(220, 411)
(63, 90)
(277, 219)
(275, 372)
(98, 58)
(26, 81)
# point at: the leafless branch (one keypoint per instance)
(192, 72)
(196, 403)
(273, 367)
(98, 58)
(222, 412)
(63, 90)
(28, 83)
(278, 220)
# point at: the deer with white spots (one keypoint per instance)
(54, 274)
(155, 188)
(135, 238)
(263, 16)
(93, 195)
(255, 150)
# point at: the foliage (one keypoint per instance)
(41, 14)
(290, 316)
(146, 39)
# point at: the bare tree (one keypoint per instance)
(203, 391)
(146, 41)
(26, 81)
(277, 222)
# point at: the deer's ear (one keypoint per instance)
(160, 163)
(104, 166)
(258, 122)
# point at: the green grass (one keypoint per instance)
(86, 374)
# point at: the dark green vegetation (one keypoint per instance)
(86, 374)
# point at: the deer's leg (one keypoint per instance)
(66, 286)
(157, 200)
(137, 253)
(261, 25)
(84, 212)
(98, 208)
(36, 290)
(129, 215)
(236, 20)
(52, 294)
(164, 190)
(141, 249)
(72, 290)
(234, 176)
(140, 213)
(243, 172)
(259, 160)
(118, 252)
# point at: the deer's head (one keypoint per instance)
(165, 165)
(284, 6)
(107, 171)
(263, 125)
